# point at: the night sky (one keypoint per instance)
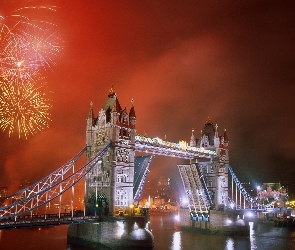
(181, 61)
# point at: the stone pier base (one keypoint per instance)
(112, 233)
(219, 222)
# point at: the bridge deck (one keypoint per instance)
(40, 221)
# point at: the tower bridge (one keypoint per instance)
(114, 176)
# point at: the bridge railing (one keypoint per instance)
(43, 183)
(50, 192)
(251, 202)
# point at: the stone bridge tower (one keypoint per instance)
(109, 185)
(215, 171)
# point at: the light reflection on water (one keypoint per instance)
(263, 236)
(176, 241)
(120, 229)
(252, 236)
(229, 244)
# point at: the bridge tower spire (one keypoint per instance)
(89, 130)
(109, 186)
(193, 139)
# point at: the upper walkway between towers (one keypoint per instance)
(158, 146)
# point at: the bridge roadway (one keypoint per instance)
(46, 220)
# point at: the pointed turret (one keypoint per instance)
(89, 124)
(90, 118)
(225, 137)
(132, 116)
(112, 107)
(112, 91)
(132, 111)
(207, 135)
(216, 130)
(112, 102)
(193, 140)
(216, 137)
(91, 114)
(209, 131)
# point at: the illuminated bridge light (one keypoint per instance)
(162, 147)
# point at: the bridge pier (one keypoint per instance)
(220, 223)
(112, 233)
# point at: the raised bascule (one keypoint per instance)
(117, 164)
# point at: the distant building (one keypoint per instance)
(272, 194)
(273, 185)
(289, 186)
(163, 188)
(3, 194)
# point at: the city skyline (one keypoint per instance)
(180, 62)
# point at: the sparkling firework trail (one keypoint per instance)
(12, 60)
(28, 47)
(31, 43)
(24, 108)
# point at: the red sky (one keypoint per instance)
(181, 61)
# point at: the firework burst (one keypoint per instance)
(13, 60)
(27, 44)
(24, 108)
(28, 47)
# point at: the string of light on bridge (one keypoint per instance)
(181, 145)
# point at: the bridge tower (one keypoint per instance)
(109, 186)
(215, 171)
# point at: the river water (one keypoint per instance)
(263, 236)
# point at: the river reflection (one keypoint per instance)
(263, 236)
